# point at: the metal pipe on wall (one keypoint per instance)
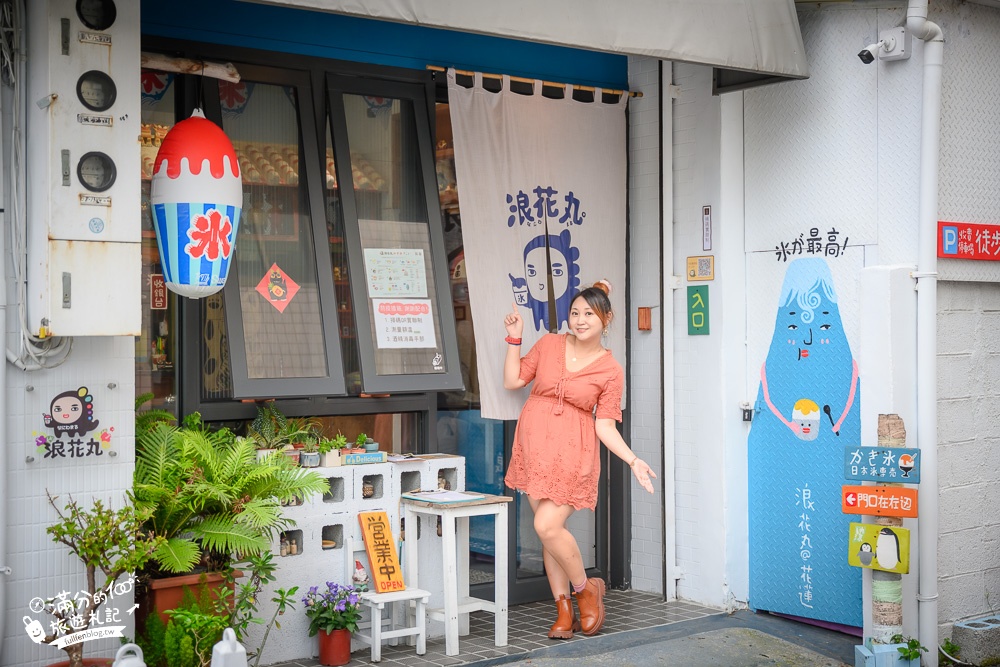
(926, 275)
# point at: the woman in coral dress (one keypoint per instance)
(574, 403)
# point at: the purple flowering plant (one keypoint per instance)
(336, 608)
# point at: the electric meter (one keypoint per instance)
(96, 90)
(96, 171)
(96, 14)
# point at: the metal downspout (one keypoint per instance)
(5, 218)
(926, 275)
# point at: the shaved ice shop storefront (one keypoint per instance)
(347, 301)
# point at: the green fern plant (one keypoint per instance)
(209, 497)
(147, 419)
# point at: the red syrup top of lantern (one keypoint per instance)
(211, 173)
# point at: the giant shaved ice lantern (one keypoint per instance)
(197, 196)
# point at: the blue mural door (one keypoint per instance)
(803, 363)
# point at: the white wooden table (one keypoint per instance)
(455, 561)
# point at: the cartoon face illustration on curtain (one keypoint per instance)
(545, 255)
(808, 408)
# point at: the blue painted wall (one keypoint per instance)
(810, 407)
(325, 35)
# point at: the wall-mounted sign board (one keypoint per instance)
(697, 310)
(701, 267)
(882, 464)
(898, 501)
(965, 240)
(875, 547)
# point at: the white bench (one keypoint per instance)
(401, 623)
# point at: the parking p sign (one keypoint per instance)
(949, 240)
(966, 240)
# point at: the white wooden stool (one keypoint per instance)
(398, 617)
(455, 562)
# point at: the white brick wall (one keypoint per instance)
(40, 567)
(698, 410)
(968, 433)
(646, 402)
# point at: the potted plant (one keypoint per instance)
(112, 542)
(333, 615)
(211, 501)
(330, 450)
(359, 443)
(268, 430)
(310, 453)
(295, 434)
(371, 445)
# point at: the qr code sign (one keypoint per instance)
(701, 268)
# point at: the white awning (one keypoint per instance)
(749, 35)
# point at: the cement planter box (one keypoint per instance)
(882, 655)
(330, 459)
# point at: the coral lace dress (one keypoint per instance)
(556, 451)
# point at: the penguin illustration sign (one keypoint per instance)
(875, 547)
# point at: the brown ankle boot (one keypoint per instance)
(567, 623)
(591, 603)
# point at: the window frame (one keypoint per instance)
(193, 89)
(332, 383)
(421, 97)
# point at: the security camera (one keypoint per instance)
(868, 53)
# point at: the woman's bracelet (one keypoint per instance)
(633, 461)
(512, 340)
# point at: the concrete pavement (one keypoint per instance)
(741, 639)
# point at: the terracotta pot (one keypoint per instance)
(167, 592)
(335, 647)
(87, 662)
(293, 454)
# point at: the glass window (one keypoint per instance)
(280, 342)
(341, 274)
(156, 347)
(278, 287)
(398, 272)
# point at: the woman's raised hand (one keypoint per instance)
(514, 323)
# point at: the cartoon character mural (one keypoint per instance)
(808, 408)
(532, 291)
(72, 413)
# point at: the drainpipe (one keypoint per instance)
(6, 224)
(926, 275)
(4, 571)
